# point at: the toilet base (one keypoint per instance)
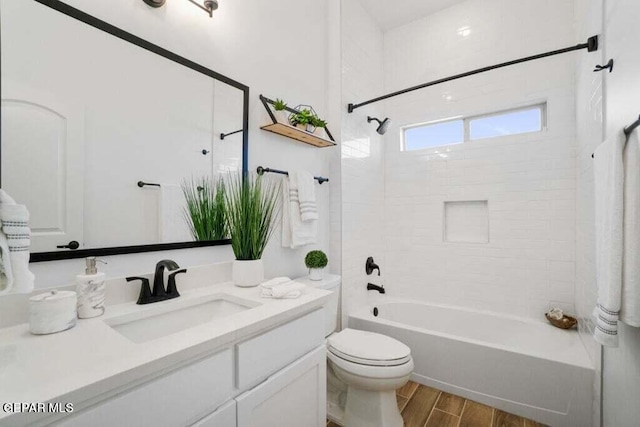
(366, 408)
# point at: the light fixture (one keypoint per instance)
(208, 6)
(155, 3)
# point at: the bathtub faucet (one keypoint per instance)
(370, 266)
(372, 287)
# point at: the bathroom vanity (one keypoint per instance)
(217, 356)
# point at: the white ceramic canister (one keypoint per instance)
(52, 312)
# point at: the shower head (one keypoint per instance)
(383, 125)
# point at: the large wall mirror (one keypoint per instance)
(102, 131)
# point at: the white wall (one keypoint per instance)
(589, 134)
(621, 366)
(528, 180)
(362, 154)
(265, 48)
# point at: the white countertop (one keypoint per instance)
(90, 359)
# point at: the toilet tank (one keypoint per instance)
(329, 282)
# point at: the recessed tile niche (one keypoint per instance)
(466, 221)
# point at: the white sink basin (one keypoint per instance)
(170, 317)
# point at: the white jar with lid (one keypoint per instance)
(53, 311)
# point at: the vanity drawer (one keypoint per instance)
(265, 354)
(176, 399)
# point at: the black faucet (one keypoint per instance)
(372, 287)
(159, 293)
(370, 266)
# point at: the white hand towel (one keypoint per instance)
(288, 290)
(630, 309)
(6, 276)
(15, 226)
(172, 225)
(307, 196)
(286, 216)
(302, 233)
(274, 282)
(609, 182)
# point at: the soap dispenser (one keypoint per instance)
(91, 290)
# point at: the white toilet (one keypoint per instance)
(364, 369)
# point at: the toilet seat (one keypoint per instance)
(368, 348)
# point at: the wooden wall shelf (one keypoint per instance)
(298, 134)
(293, 132)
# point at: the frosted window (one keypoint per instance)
(457, 131)
(507, 123)
(434, 135)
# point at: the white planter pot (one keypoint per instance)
(282, 116)
(315, 274)
(248, 274)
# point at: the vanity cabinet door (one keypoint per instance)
(293, 397)
(225, 416)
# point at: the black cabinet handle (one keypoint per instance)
(73, 245)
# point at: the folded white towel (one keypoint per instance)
(15, 226)
(286, 290)
(630, 308)
(609, 180)
(307, 195)
(275, 282)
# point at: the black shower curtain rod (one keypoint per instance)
(591, 45)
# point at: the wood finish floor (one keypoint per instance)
(423, 406)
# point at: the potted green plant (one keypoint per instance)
(280, 108)
(302, 119)
(316, 261)
(252, 213)
(205, 209)
(320, 125)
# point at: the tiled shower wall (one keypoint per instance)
(362, 178)
(528, 181)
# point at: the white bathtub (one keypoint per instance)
(518, 365)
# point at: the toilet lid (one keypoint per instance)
(368, 348)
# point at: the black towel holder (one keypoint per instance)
(261, 170)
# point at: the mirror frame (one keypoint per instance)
(144, 44)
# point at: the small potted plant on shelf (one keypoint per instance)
(253, 211)
(302, 119)
(320, 126)
(316, 261)
(205, 209)
(281, 110)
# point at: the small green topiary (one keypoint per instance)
(316, 259)
(279, 105)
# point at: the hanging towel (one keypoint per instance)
(15, 226)
(286, 290)
(6, 276)
(609, 183)
(630, 309)
(307, 196)
(295, 232)
(172, 225)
